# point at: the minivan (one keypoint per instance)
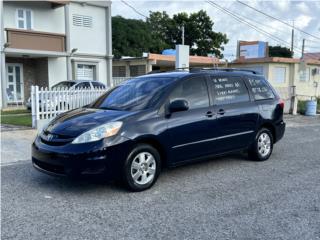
(163, 120)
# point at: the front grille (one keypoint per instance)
(49, 167)
(55, 139)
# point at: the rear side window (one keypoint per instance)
(83, 85)
(227, 90)
(260, 89)
(97, 85)
(194, 91)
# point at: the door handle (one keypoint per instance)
(209, 114)
(221, 112)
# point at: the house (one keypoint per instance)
(130, 67)
(287, 73)
(45, 42)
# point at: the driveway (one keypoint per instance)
(222, 198)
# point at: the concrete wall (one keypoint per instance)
(45, 18)
(292, 77)
(57, 70)
(88, 40)
(307, 87)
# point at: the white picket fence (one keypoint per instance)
(117, 80)
(46, 104)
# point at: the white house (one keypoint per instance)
(45, 42)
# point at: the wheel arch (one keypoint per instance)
(154, 142)
(271, 128)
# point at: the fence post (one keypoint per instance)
(33, 110)
(36, 105)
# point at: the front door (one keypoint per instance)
(15, 88)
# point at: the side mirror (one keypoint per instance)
(178, 105)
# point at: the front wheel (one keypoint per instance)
(142, 168)
(262, 146)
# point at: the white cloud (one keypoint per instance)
(302, 21)
(303, 7)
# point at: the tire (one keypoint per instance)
(261, 148)
(142, 168)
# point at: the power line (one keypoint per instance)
(277, 19)
(134, 9)
(239, 19)
(263, 24)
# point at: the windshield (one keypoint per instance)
(135, 94)
(64, 84)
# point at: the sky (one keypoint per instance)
(304, 14)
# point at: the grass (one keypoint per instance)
(17, 111)
(16, 117)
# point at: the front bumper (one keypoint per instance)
(73, 160)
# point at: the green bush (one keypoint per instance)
(301, 106)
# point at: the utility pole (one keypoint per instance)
(292, 37)
(182, 28)
(303, 44)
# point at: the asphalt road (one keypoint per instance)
(224, 198)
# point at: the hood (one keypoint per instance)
(77, 121)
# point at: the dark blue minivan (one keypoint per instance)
(165, 119)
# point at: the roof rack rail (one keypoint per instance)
(222, 69)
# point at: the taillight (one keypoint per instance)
(281, 103)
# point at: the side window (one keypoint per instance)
(227, 90)
(83, 85)
(194, 91)
(260, 89)
(97, 85)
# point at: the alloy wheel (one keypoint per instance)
(143, 168)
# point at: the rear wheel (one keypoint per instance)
(142, 168)
(262, 147)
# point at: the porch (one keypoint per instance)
(21, 74)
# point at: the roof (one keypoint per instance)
(275, 60)
(169, 60)
(192, 59)
(315, 55)
(175, 74)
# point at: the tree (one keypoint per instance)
(160, 25)
(198, 32)
(278, 51)
(130, 37)
(133, 37)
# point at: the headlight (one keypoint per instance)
(103, 131)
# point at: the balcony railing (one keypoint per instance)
(35, 40)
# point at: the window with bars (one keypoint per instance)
(119, 71)
(304, 75)
(24, 19)
(82, 21)
(137, 70)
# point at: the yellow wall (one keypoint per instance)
(292, 77)
(307, 88)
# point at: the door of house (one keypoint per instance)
(15, 90)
